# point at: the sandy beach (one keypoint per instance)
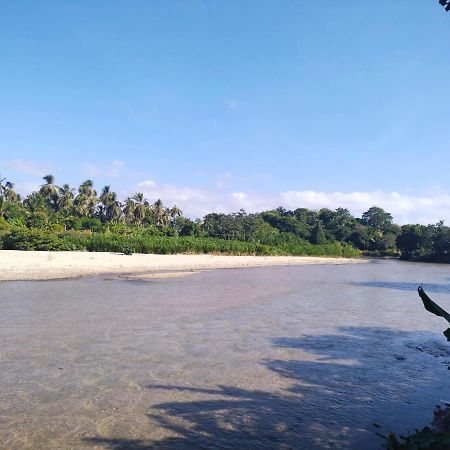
(22, 265)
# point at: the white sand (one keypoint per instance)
(21, 265)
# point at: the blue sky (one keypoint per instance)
(217, 105)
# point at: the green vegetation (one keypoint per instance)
(433, 437)
(425, 243)
(425, 439)
(62, 218)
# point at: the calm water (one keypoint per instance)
(287, 357)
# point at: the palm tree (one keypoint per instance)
(86, 200)
(87, 188)
(35, 202)
(105, 195)
(10, 195)
(175, 212)
(114, 210)
(65, 198)
(128, 209)
(48, 189)
(159, 212)
(112, 207)
(105, 199)
(165, 220)
(80, 207)
(141, 207)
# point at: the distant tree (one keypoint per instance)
(287, 223)
(342, 225)
(187, 227)
(377, 218)
(105, 196)
(318, 234)
(441, 245)
(175, 213)
(281, 211)
(86, 200)
(110, 208)
(48, 189)
(160, 213)
(87, 188)
(302, 215)
(141, 206)
(325, 216)
(128, 209)
(360, 237)
(35, 202)
(114, 211)
(10, 195)
(65, 199)
(410, 241)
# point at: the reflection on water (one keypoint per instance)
(286, 357)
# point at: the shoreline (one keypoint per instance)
(17, 265)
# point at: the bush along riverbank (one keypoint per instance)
(140, 242)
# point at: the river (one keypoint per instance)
(302, 357)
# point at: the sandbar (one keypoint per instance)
(24, 265)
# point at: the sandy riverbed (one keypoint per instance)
(22, 265)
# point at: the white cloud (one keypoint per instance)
(26, 167)
(405, 208)
(239, 195)
(147, 184)
(196, 202)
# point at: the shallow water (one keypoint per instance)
(297, 357)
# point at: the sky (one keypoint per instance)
(221, 105)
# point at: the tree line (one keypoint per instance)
(70, 215)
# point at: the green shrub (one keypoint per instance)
(33, 239)
(141, 242)
(57, 227)
(37, 219)
(84, 223)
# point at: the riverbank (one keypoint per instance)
(23, 265)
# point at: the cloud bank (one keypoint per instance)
(196, 202)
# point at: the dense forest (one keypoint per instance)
(62, 218)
